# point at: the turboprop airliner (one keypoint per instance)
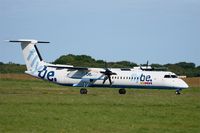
(84, 77)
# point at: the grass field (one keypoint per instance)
(31, 105)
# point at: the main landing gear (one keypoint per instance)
(122, 91)
(83, 91)
(178, 92)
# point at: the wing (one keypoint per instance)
(68, 67)
(86, 75)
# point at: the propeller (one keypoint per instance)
(107, 74)
(150, 68)
(147, 64)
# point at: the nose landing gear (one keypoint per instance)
(178, 92)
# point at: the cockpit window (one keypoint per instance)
(170, 76)
(167, 76)
(173, 76)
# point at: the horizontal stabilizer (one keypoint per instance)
(28, 40)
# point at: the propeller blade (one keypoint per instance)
(110, 80)
(114, 73)
(104, 80)
(106, 65)
(147, 64)
(102, 72)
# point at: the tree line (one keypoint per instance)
(182, 68)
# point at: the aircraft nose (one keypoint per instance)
(183, 84)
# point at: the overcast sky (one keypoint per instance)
(161, 31)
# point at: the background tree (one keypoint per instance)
(182, 68)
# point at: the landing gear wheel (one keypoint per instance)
(122, 91)
(83, 91)
(178, 91)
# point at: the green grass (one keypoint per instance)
(39, 106)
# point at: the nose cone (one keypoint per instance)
(183, 84)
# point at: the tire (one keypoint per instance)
(122, 91)
(83, 91)
(178, 93)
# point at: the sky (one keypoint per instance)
(161, 31)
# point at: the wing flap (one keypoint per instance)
(85, 82)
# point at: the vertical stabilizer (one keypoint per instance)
(31, 54)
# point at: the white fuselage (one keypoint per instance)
(124, 78)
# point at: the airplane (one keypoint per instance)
(68, 75)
